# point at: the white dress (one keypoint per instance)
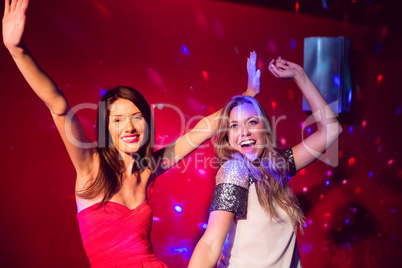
(255, 240)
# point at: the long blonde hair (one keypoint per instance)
(271, 173)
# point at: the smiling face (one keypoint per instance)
(127, 126)
(247, 131)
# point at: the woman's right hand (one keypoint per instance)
(14, 23)
(253, 84)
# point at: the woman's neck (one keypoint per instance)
(129, 162)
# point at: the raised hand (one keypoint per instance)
(14, 23)
(281, 68)
(253, 85)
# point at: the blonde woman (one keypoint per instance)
(253, 208)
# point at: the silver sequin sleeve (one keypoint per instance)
(230, 197)
(291, 161)
(231, 190)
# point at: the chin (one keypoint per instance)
(129, 150)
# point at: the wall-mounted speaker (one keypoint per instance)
(327, 64)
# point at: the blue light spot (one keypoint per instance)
(306, 249)
(350, 129)
(309, 130)
(204, 226)
(185, 50)
(337, 80)
(178, 209)
(347, 221)
(324, 4)
(292, 43)
(327, 182)
(350, 95)
(398, 110)
(181, 250)
(103, 92)
(305, 225)
(370, 174)
(378, 48)
(393, 211)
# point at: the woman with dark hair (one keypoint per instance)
(253, 207)
(113, 175)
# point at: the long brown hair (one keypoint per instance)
(109, 178)
(271, 173)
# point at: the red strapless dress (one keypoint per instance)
(116, 236)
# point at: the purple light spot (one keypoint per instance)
(185, 50)
(370, 174)
(181, 250)
(292, 43)
(378, 48)
(394, 210)
(350, 129)
(178, 209)
(398, 110)
(327, 182)
(306, 249)
(103, 92)
(309, 130)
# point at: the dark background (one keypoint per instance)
(193, 56)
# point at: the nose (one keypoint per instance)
(130, 127)
(245, 131)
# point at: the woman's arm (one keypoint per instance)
(328, 127)
(67, 123)
(207, 126)
(209, 247)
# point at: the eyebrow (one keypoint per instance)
(119, 115)
(235, 121)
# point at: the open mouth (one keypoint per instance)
(247, 143)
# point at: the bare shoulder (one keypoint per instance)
(84, 179)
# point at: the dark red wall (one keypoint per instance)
(87, 46)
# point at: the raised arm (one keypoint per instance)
(207, 126)
(328, 127)
(67, 123)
